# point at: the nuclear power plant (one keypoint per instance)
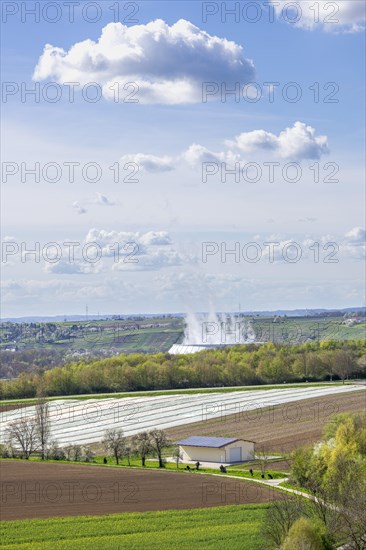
(205, 331)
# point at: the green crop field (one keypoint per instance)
(146, 335)
(295, 330)
(237, 527)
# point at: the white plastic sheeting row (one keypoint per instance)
(85, 421)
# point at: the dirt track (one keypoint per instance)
(36, 490)
(281, 428)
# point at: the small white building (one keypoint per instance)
(224, 450)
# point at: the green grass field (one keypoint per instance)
(146, 335)
(294, 330)
(236, 527)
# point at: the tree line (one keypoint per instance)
(230, 366)
(142, 444)
(31, 435)
(333, 474)
(12, 364)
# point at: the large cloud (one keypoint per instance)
(297, 143)
(168, 63)
(340, 16)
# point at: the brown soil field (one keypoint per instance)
(10, 407)
(279, 465)
(281, 428)
(4, 408)
(41, 490)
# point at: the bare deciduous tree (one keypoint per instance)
(319, 505)
(142, 445)
(114, 443)
(159, 440)
(127, 452)
(262, 453)
(43, 424)
(77, 451)
(89, 454)
(68, 452)
(283, 512)
(23, 433)
(178, 456)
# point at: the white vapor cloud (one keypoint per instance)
(119, 251)
(103, 200)
(151, 163)
(79, 209)
(356, 235)
(167, 64)
(76, 267)
(343, 16)
(297, 143)
(354, 243)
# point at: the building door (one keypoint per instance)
(235, 454)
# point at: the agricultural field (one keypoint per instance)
(282, 428)
(296, 330)
(160, 512)
(158, 334)
(41, 490)
(85, 421)
(149, 335)
(236, 526)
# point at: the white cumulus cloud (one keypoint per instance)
(114, 250)
(356, 235)
(103, 200)
(151, 163)
(297, 143)
(344, 16)
(79, 208)
(167, 64)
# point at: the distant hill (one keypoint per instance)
(91, 317)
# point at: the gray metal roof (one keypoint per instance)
(202, 441)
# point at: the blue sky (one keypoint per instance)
(172, 137)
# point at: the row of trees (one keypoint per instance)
(141, 444)
(12, 364)
(32, 434)
(237, 365)
(333, 473)
(29, 434)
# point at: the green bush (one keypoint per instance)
(307, 534)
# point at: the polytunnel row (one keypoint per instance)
(85, 421)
